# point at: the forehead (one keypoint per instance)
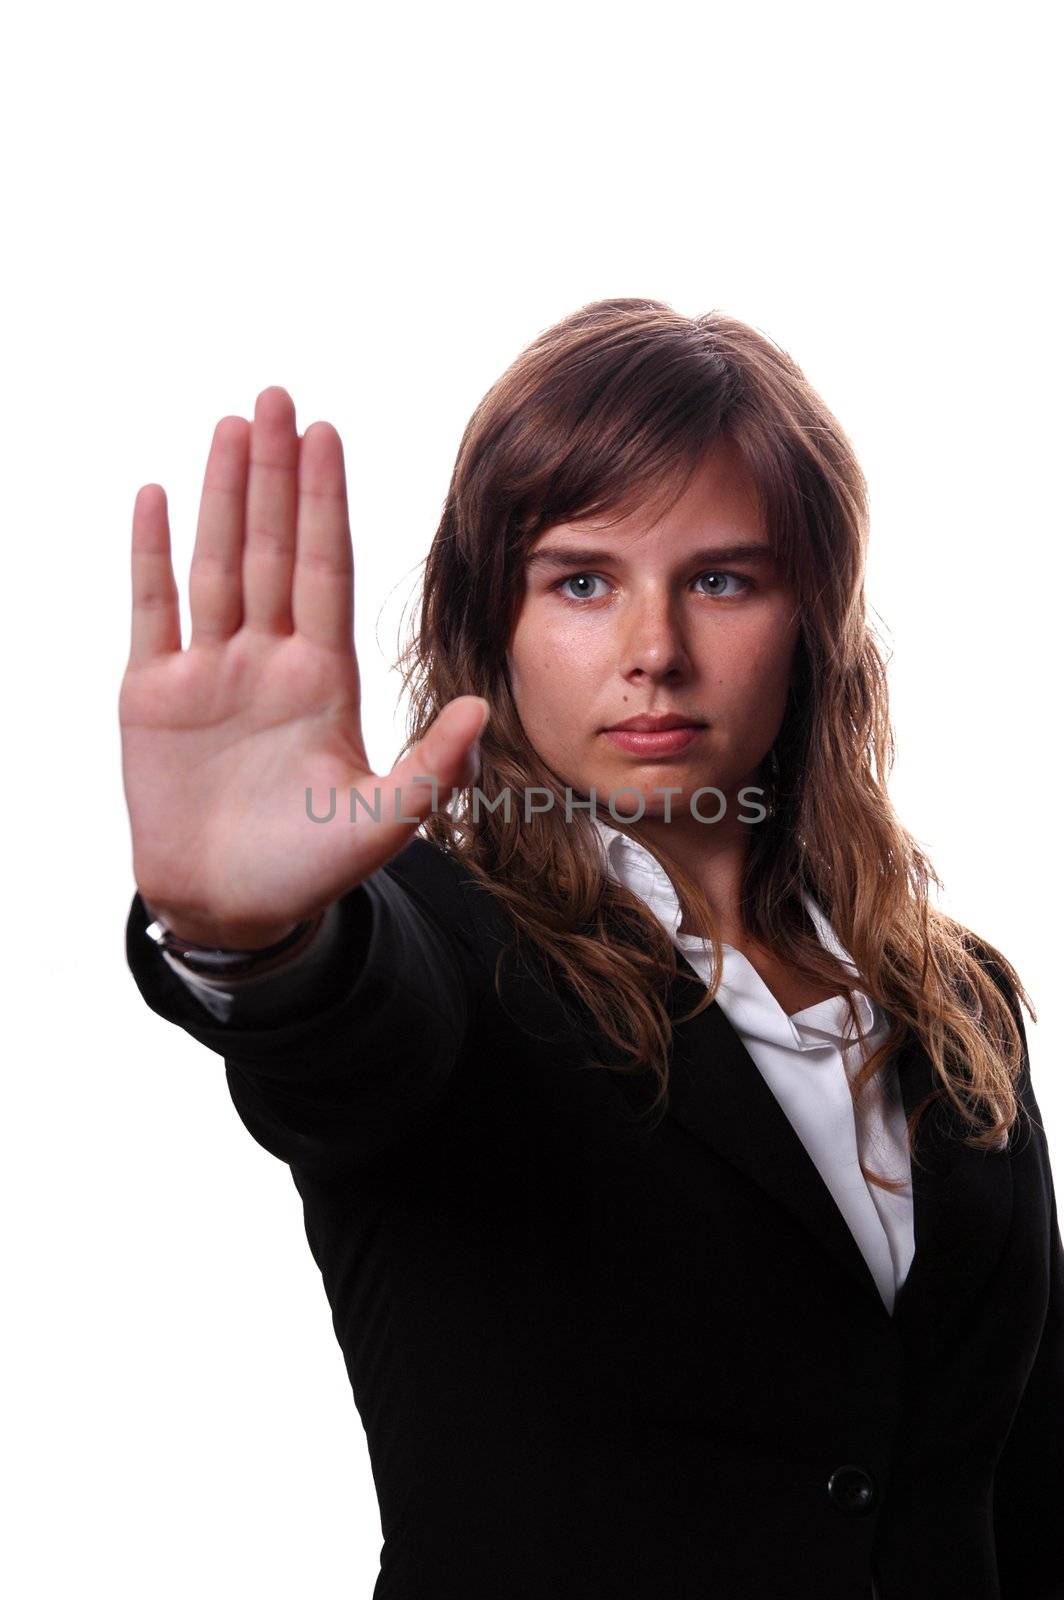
(720, 499)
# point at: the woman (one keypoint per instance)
(677, 1182)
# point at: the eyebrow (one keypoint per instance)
(572, 556)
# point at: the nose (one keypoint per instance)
(654, 647)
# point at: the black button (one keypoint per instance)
(852, 1489)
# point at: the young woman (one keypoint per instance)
(671, 1162)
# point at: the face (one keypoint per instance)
(686, 616)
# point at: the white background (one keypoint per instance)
(377, 210)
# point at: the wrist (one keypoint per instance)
(207, 933)
(226, 962)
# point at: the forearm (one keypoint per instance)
(303, 976)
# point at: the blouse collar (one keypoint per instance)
(751, 1006)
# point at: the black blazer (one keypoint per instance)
(604, 1358)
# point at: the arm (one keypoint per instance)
(239, 755)
(305, 975)
(329, 1076)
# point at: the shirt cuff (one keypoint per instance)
(258, 996)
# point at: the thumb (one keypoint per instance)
(451, 748)
(447, 757)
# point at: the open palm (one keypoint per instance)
(221, 741)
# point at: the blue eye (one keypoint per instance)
(580, 577)
(593, 577)
(744, 581)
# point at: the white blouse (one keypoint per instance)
(804, 1059)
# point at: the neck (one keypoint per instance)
(713, 854)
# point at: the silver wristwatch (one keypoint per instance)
(209, 960)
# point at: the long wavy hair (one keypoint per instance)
(613, 409)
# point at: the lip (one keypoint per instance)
(655, 741)
(645, 723)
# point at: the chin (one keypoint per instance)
(626, 788)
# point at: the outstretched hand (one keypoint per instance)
(220, 741)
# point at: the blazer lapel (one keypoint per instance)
(962, 1198)
(717, 1093)
(962, 1204)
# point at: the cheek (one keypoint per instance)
(767, 653)
(766, 672)
(547, 652)
(553, 679)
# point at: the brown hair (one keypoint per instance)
(612, 409)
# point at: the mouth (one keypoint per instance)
(655, 736)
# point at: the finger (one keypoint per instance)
(156, 619)
(397, 803)
(270, 531)
(323, 585)
(215, 580)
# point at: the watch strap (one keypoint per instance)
(216, 962)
